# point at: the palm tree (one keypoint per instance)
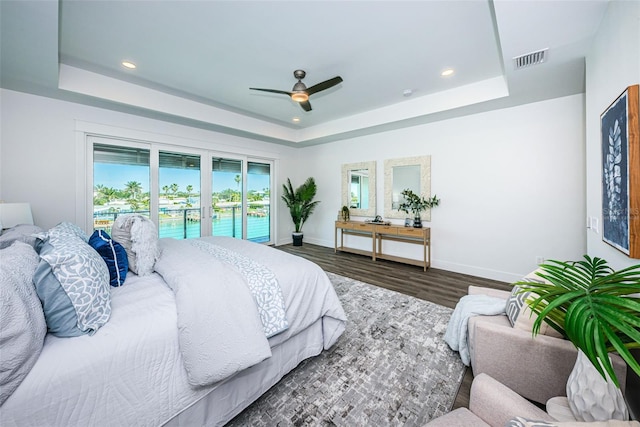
(189, 190)
(134, 189)
(165, 188)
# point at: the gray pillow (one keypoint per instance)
(21, 233)
(22, 324)
(139, 237)
(72, 281)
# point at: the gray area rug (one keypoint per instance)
(390, 367)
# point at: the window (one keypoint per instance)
(226, 184)
(258, 202)
(179, 198)
(172, 186)
(120, 183)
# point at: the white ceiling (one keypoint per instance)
(197, 59)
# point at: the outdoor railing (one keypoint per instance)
(185, 223)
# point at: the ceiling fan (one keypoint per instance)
(300, 93)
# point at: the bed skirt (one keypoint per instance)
(232, 396)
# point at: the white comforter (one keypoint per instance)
(131, 371)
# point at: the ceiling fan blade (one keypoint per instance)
(324, 85)
(284, 92)
(306, 106)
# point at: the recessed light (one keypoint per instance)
(128, 64)
(448, 72)
(407, 92)
(296, 119)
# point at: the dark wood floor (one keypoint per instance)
(438, 286)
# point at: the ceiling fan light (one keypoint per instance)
(300, 97)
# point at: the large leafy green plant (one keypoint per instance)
(416, 204)
(593, 306)
(300, 201)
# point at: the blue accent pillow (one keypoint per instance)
(113, 254)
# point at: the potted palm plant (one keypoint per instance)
(596, 308)
(301, 204)
(416, 204)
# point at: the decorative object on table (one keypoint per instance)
(620, 136)
(408, 222)
(301, 205)
(593, 306)
(416, 204)
(344, 213)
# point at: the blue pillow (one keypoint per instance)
(113, 254)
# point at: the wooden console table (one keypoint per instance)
(380, 232)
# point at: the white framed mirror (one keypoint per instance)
(413, 173)
(359, 188)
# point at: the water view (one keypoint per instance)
(185, 223)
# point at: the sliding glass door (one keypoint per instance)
(227, 197)
(258, 201)
(187, 192)
(179, 195)
(121, 183)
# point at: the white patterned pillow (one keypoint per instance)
(518, 311)
(139, 237)
(72, 281)
(525, 422)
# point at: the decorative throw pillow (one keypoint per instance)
(113, 255)
(518, 311)
(72, 282)
(22, 325)
(139, 237)
(525, 422)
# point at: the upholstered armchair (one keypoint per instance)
(492, 404)
(535, 368)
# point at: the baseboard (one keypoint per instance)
(471, 270)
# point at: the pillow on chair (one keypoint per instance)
(520, 314)
(524, 422)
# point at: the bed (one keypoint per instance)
(134, 370)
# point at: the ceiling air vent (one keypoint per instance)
(530, 59)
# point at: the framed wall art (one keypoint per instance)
(620, 139)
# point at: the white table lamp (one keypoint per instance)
(12, 214)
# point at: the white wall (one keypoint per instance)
(612, 65)
(511, 183)
(38, 160)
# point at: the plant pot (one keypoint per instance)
(591, 397)
(417, 222)
(297, 239)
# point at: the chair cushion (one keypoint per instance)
(458, 417)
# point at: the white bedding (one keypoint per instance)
(131, 371)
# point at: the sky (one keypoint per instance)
(116, 176)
